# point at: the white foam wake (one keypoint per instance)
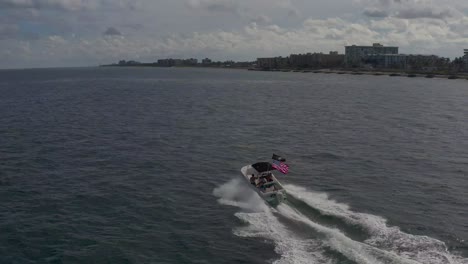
(263, 223)
(386, 244)
(422, 249)
(236, 193)
(353, 250)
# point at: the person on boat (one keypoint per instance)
(260, 182)
(252, 179)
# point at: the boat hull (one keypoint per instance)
(272, 192)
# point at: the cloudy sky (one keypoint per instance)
(51, 33)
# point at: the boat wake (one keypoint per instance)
(311, 228)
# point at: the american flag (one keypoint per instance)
(280, 166)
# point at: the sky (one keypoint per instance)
(57, 33)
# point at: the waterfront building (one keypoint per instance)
(273, 63)
(128, 63)
(426, 62)
(354, 55)
(206, 61)
(386, 61)
(176, 62)
(190, 62)
(465, 59)
(308, 60)
(317, 60)
(406, 62)
(167, 62)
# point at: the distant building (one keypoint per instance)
(426, 62)
(308, 60)
(243, 64)
(273, 63)
(386, 61)
(166, 62)
(170, 62)
(316, 60)
(128, 63)
(354, 55)
(465, 59)
(206, 61)
(406, 62)
(190, 62)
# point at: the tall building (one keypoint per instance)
(386, 61)
(354, 55)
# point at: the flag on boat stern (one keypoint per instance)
(280, 166)
(278, 158)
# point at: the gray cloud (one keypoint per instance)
(426, 12)
(293, 12)
(8, 31)
(49, 4)
(261, 19)
(388, 2)
(374, 12)
(133, 26)
(225, 6)
(69, 5)
(111, 31)
(408, 9)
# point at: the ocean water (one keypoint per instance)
(141, 165)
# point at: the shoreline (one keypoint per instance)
(391, 73)
(451, 76)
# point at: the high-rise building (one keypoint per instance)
(354, 55)
(386, 61)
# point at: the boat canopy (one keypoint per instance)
(263, 166)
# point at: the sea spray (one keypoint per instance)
(236, 193)
(263, 223)
(385, 245)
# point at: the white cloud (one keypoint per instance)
(66, 5)
(70, 5)
(250, 42)
(215, 5)
(70, 32)
(413, 9)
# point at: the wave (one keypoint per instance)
(355, 251)
(262, 223)
(325, 156)
(301, 238)
(422, 249)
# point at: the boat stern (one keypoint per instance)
(274, 199)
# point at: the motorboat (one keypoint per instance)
(260, 177)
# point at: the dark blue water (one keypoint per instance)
(115, 165)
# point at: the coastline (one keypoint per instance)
(391, 73)
(451, 76)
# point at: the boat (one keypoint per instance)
(260, 177)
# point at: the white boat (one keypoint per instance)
(262, 180)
